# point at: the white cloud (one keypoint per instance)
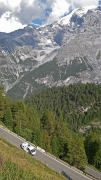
(59, 8)
(82, 3)
(8, 24)
(22, 12)
(13, 3)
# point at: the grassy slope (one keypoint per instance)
(16, 164)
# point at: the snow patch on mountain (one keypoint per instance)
(80, 12)
(66, 20)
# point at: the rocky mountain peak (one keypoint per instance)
(65, 52)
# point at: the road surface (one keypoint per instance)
(94, 173)
(52, 162)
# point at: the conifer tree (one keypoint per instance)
(8, 120)
(76, 155)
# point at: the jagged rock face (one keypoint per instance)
(82, 54)
(65, 52)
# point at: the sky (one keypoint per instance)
(16, 14)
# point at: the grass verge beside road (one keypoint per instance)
(16, 164)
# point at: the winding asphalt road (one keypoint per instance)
(52, 162)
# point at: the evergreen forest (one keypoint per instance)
(52, 118)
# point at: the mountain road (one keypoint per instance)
(51, 161)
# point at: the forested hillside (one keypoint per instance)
(77, 104)
(52, 118)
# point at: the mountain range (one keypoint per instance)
(65, 52)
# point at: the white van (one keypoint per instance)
(28, 148)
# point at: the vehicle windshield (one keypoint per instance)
(33, 150)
